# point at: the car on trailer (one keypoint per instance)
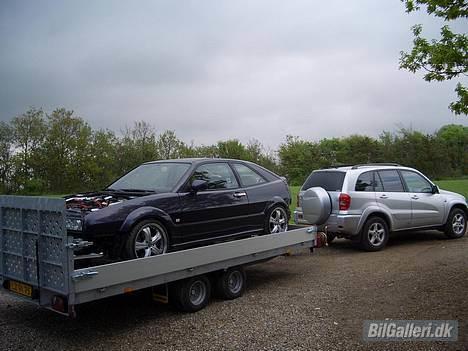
(169, 205)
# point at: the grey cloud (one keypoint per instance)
(212, 70)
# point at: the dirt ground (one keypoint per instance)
(302, 302)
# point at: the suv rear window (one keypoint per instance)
(329, 180)
(391, 181)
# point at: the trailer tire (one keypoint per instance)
(192, 294)
(230, 284)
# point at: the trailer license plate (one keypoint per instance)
(20, 288)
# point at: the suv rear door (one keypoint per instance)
(428, 209)
(331, 181)
(391, 195)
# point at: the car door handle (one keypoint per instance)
(383, 196)
(415, 197)
(240, 194)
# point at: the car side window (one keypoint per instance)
(391, 181)
(416, 183)
(218, 175)
(365, 182)
(378, 186)
(248, 176)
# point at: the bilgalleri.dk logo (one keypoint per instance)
(402, 330)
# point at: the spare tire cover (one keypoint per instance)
(316, 205)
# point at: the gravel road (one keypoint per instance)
(300, 302)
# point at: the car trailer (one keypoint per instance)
(37, 262)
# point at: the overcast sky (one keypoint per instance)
(213, 70)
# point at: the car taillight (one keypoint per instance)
(298, 200)
(345, 202)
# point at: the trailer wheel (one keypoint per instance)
(192, 294)
(231, 283)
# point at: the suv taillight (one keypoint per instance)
(298, 200)
(345, 202)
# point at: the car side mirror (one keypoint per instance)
(199, 185)
(435, 189)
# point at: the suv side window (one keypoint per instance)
(391, 181)
(248, 176)
(218, 175)
(416, 183)
(365, 182)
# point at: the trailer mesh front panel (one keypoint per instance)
(33, 242)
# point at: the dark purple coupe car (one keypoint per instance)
(168, 205)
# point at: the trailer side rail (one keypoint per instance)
(117, 278)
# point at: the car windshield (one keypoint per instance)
(329, 180)
(151, 177)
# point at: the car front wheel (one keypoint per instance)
(147, 238)
(456, 224)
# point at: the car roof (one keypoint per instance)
(370, 167)
(196, 160)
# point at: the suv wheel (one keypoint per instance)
(456, 224)
(374, 235)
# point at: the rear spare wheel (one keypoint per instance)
(316, 205)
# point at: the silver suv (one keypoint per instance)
(367, 202)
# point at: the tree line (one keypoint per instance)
(58, 152)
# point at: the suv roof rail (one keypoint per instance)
(339, 165)
(375, 164)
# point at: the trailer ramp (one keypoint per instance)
(34, 259)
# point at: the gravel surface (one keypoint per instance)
(300, 302)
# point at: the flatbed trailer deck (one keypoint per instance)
(37, 261)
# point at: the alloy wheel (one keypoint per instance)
(151, 240)
(458, 224)
(278, 221)
(376, 234)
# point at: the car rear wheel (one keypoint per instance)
(147, 238)
(277, 220)
(374, 235)
(456, 224)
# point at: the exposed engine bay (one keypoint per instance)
(92, 201)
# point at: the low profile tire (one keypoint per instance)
(374, 235)
(231, 283)
(456, 224)
(147, 238)
(191, 294)
(276, 220)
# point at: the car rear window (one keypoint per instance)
(329, 180)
